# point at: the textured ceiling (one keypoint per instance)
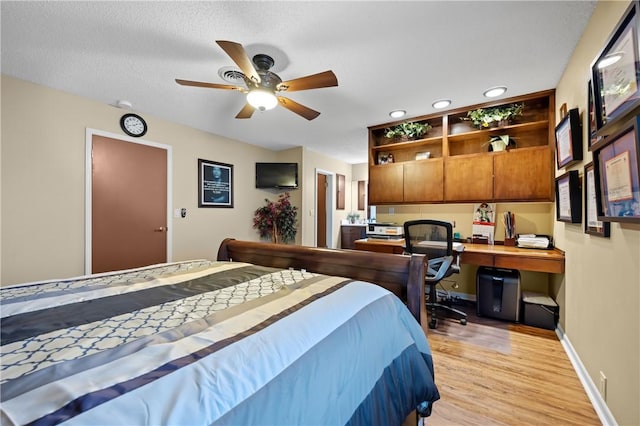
(386, 55)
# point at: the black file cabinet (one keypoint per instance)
(498, 293)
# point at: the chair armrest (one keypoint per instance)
(439, 267)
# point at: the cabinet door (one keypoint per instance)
(468, 178)
(523, 175)
(423, 181)
(385, 184)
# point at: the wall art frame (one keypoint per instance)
(592, 130)
(616, 164)
(569, 139)
(569, 197)
(615, 71)
(592, 225)
(215, 184)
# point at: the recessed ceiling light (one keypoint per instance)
(398, 113)
(442, 103)
(495, 91)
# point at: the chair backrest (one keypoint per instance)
(431, 237)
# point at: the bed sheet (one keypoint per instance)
(204, 342)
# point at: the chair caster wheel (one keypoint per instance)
(463, 321)
(433, 323)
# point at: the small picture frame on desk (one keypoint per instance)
(568, 198)
(616, 165)
(592, 225)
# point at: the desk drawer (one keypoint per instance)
(530, 264)
(481, 259)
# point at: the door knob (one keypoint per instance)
(160, 229)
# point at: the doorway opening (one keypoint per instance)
(325, 205)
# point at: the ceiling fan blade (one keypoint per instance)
(209, 85)
(315, 81)
(299, 109)
(240, 57)
(246, 111)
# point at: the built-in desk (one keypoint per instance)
(499, 256)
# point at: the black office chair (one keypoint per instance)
(434, 238)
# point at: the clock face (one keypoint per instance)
(133, 125)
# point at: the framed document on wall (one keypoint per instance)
(615, 76)
(568, 198)
(592, 225)
(569, 139)
(616, 165)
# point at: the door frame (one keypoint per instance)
(331, 204)
(89, 134)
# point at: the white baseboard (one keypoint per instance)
(598, 403)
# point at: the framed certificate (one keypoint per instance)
(615, 73)
(569, 139)
(592, 225)
(568, 198)
(616, 165)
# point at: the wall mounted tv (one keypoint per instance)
(277, 175)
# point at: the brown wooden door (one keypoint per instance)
(468, 178)
(129, 205)
(321, 212)
(524, 174)
(423, 181)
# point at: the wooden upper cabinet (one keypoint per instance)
(386, 184)
(468, 178)
(423, 181)
(523, 174)
(453, 161)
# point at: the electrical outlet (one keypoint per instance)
(603, 386)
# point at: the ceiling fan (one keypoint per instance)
(262, 84)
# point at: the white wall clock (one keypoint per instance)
(133, 125)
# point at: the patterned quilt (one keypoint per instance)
(205, 342)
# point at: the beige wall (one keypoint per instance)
(43, 182)
(600, 293)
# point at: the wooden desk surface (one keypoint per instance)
(499, 256)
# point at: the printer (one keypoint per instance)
(385, 231)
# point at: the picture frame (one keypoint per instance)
(614, 72)
(616, 164)
(592, 133)
(592, 225)
(215, 184)
(569, 139)
(569, 198)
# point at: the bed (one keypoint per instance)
(266, 334)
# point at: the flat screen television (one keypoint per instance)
(277, 175)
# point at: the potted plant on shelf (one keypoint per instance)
(499, 143)
(277, 219)
(495, 116)
(407, 130)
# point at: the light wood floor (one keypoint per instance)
(532, 382)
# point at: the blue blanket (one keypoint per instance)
(205, 342)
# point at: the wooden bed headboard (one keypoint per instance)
(401, 274)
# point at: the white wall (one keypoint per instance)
(42, 190)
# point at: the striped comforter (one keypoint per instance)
(204, 342)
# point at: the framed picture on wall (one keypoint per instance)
(615, 76)
(592, 225)
(569, 139)
(568, 198)
(616, 164)
(592, 133)
(215, 184)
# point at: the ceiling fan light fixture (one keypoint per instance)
(494, 92)
(397, 113)
(441, 103)
(262, 100)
